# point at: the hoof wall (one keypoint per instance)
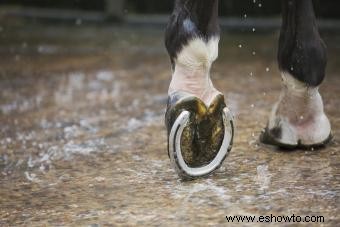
(268, 138)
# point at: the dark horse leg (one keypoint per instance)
(298, 119)
(199, 125)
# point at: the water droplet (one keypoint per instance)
(260, 5)
(254, 53)
(254, 29)
(79, 21)
(251, 74)
(301, 117)
(100, 179)
(267, 69)
(240, 46)
(245, 15)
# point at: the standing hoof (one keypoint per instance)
(269, 137)
(298, 120)
(199, 137)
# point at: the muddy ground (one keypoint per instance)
(83, 141)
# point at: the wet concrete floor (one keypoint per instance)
(83, 141)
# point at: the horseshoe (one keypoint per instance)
(176, 157)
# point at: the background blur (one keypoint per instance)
(328, 8)
(120, 8)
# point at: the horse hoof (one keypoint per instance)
(297, 120)
(199, 137)
(269, 137)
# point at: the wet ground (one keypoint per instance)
(83, 142)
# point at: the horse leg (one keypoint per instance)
(195, 107)
(298, 119)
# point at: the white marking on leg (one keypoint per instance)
(300, 114)
(192, 69)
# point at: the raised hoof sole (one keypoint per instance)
(199, 137)
(185, 177)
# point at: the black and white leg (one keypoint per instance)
(298, 119)
(199, 124)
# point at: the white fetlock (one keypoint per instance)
(298, 117)
(192, 69)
